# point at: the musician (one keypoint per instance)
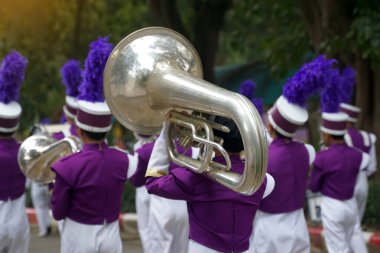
(14, 226)
(365, 142)
(280, 224)
(220, 219)
(89, 184)
(334, 174)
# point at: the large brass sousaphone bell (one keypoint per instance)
(154, 71)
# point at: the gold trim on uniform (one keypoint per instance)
(155, 173)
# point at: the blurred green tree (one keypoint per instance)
(49, 33)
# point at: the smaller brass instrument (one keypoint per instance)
(38, 152)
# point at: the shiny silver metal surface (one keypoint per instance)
(129, 70)
(38, 152)
(155, 70)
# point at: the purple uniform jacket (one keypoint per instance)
(288, 164)
(219, 218)
(335, 170)
(144, 152)
(61, 135)
(89, 185)
(12, 180)
(358, 141)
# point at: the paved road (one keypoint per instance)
(51, 244)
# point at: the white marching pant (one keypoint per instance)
(168, 225)
(361, 192)
(82, 238)
(284, 232)
(357, 242)
(339, 219)
(14, 226)
(41, 202)
(142, 210)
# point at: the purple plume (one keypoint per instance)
(12, 74)
(309, 80)
(71, 77)
(259, 104)
(347, 84)
(91, 88)
(330, 94)
(248, 89)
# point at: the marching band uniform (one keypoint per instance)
(89, 184)
(334, 174)
(14, 228)
(280, 224)
(366, 143)
(97, 173)
(220, 219)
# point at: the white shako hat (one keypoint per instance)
(71, 75)
(289, 112)
(334, 123)
(93, 113)
(12, 75)
(352, 111)
(286, 117)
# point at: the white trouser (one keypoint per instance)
(14, 226)
(142, 210)
(284, 232)
(339, 219)
(168, 225)
(82, 238)
(357, 242)
(361, 192)
(41, 203)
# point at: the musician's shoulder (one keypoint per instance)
(72, 157)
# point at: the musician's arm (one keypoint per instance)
(174, 185)
(60, 198)
(159, 161)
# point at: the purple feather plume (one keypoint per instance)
(71, 74)
(259, 104)
(91, 88)
(248, 89)
(330, 94)
(12, 74)
(347, 84)
(309, 80)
